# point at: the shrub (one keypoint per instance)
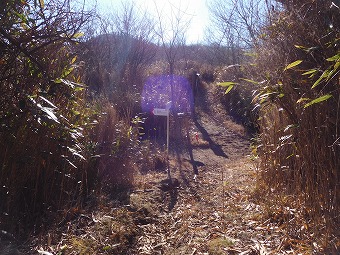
(237, 101)
(42, 112)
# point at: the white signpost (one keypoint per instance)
(160, 112)
(165, 112)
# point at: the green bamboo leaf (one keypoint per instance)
(49, 113)
(323, 76)
(251, 81)
(75, 112)
(312, 71)
(336, 66)
(302, 99)
(77, 35)
(67, 71)
(300, 47)
(79, 88)
(228, 89)
(293, 64)
(306, 49)
(334, 58)
(21, 16)
(227, 84)
(330, 74)
(49, 102)
(316, 83)
(318, 100)
(73, 59)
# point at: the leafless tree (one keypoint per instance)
(171, 29)
(124, 40)
(135, 29)
(237, 23)
(117, 57)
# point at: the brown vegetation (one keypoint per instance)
(299, 102)
(75, 134)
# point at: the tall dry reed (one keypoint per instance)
(299, 116)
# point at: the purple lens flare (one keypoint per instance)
(159, 90)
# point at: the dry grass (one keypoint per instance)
(116, 144)
(216, 246)
(238, 102)
(196, 140)
(298, 149)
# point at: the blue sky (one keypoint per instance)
(196, 10)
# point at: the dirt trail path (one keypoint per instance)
(210, 213)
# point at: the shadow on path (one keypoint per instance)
(186, 178)
(216, 148)
(191, 155)
(173, 199)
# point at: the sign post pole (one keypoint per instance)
(167, 107)
(167, 143)
(165, 112)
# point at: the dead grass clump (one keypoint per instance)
(216, 246)
(107, 230)
(116, 144)
(151, 157)
(207, 73)
(290, 216)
